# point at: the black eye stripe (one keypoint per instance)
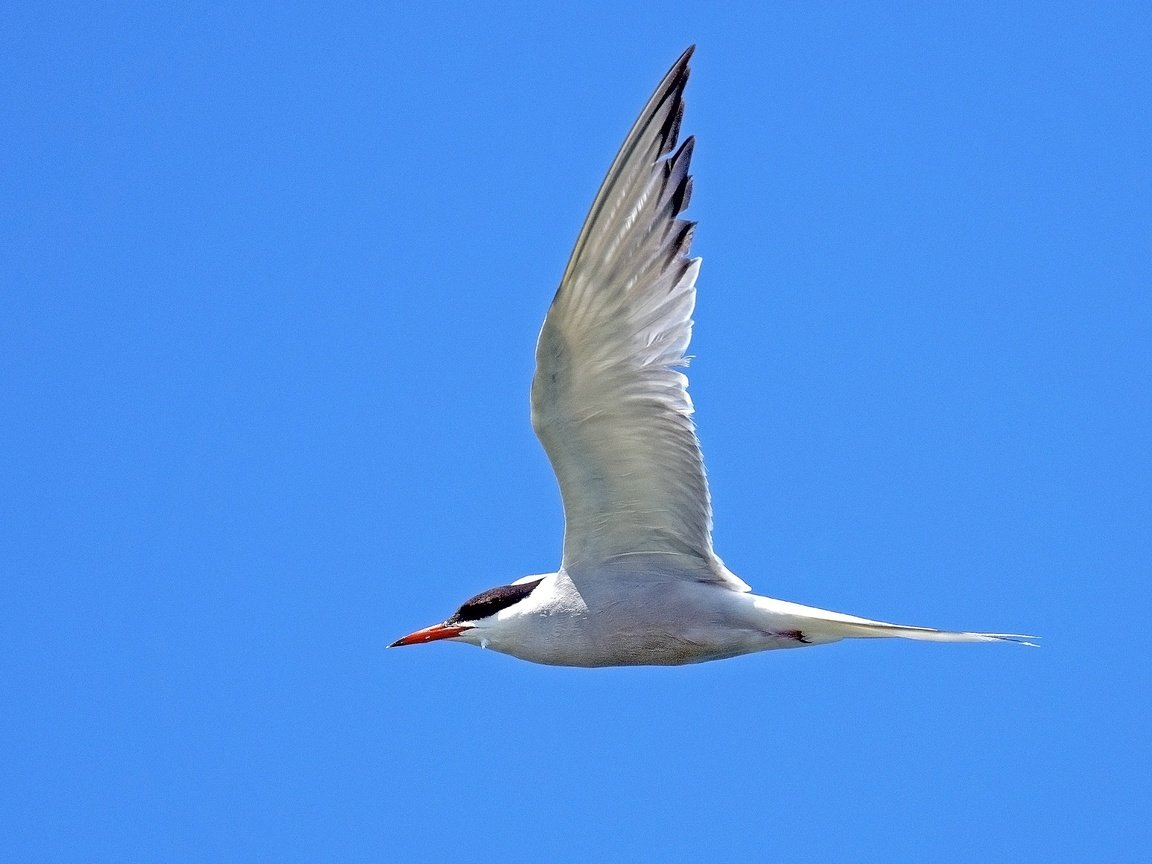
(492, 601)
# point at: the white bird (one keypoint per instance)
(639, 583)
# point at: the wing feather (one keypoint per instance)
(608, 401)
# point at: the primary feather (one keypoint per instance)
(609, 402)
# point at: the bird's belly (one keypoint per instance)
(589, 646)
(657, 621)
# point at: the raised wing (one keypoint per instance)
(608, 403)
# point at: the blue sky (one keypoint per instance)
(271, 277)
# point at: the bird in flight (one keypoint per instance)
(639, 583)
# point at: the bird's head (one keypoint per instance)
(476, 618)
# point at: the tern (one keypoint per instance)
(639, 582)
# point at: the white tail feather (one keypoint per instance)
(817, 623)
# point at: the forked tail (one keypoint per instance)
(879, 629)
(824, 625)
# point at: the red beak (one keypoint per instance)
(430, 634)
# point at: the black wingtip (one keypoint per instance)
(677, 167)
(680, 71)
(673, 87)
(677, 75)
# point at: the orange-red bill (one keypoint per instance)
(429, 634)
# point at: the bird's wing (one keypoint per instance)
(608, 402)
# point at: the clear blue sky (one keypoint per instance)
(270, 280)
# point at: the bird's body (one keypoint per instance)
(583, 618)
(660, 621)
(639, 583)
